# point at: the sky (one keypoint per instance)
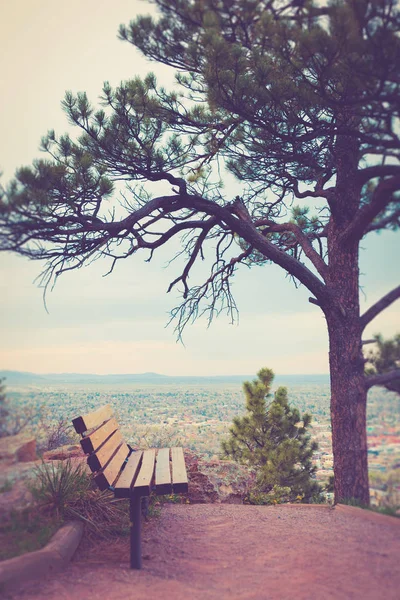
(117, 324)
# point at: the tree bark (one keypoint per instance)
(348, 384)
(348, 411)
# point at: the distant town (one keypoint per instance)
(155, 410)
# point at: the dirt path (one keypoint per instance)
(242, 552)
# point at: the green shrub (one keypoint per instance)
(58, 485)
(281, 495)
(66, 490)
(392, 511)
(278, 495)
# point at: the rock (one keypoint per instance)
(201, 490)
(27, 452)
(226, 490)
(15, 479)
(213, 481)
(64, 452)
(17, 498)
(230, 480)
(18, 448)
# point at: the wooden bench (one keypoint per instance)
(128, 473)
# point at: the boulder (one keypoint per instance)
(216, 480)
(18, 448)
(230, 480)
(201, 490)
(16, 498)
(64, 452)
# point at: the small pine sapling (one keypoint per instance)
(274, 440)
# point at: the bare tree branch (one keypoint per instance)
(194, 254)
(68, 237)
(314, 301)
(379, 306)
(382, 196)
(216, 287)
(365, 175)
(382, 379)
(301, 238)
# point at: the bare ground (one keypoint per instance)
(241, 552)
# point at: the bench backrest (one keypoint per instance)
(116, 465)
(103, 442)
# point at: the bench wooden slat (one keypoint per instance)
(92, 419)
(91, 442)
(163, 473)
(143, 481)
(179, 475)
(127, 477)
(108, 475)
(100, 458)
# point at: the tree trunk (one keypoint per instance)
(348, 387)
(348, 411)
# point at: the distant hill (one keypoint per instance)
(22, 377)
(25, 378)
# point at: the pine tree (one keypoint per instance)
(299, 103)
(273, 439)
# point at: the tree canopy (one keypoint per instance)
(268, 91)
(298, 103)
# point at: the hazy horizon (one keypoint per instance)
(3, 373)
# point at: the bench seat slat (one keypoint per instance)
(179, 475)
(100, 458)
(125, 480)
(92, 419)
(163, 473)
(143, 481)
(91, 442)
(108, 475)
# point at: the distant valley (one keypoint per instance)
(196, 412)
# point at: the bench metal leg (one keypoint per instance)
(135, 519)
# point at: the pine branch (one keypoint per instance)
(365, 175)
(391, 221)
(381, 198)
(379, 306)
(301, 238)
(383, 379)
